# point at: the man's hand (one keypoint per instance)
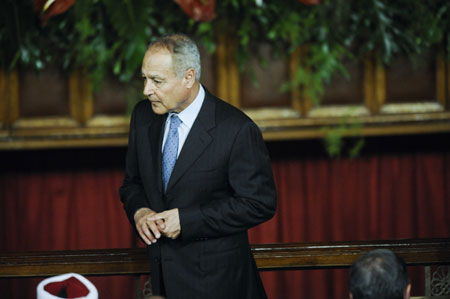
(149, 230)
(171, 219)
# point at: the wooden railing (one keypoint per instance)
(286, 256)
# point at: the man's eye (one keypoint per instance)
(157, 82)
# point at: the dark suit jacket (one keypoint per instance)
(222, 185)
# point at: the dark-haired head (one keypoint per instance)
(379, 274)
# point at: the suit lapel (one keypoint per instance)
(197, 140)
(154, 132)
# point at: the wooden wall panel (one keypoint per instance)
(261, 82)
(43, 94)
(112, 97)
(54, 109)
(209, 72)
(346, 91)
(407, 82)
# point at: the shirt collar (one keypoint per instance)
(189, 114)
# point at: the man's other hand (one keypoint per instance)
(171, 219)
(149, 230)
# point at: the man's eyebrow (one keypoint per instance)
(153, 76)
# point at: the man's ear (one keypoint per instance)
(189, 77)
(407, 291)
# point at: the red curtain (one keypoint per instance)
(62, 211)
(67, 199)
(369, 198)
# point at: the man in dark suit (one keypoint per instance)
(198, 176)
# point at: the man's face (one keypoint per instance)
(162, 87)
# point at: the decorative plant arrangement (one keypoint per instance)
(103, 37)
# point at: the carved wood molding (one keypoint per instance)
(285, 256)
(272, 130)
(83, 126)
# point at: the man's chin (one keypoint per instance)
(158, 108)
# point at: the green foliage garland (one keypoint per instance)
(105, 37)
(109, 36)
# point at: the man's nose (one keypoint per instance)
(149, 88)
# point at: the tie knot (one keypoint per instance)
(175, 122)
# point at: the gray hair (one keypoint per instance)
(185, 54)
(378, 274)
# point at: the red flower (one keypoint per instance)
(199, 10)
(49, 8)
(310, 2)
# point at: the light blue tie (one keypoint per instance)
(170, 150)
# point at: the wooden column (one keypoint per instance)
(374, 84)
(9, 98)
(296, 98)
(80, 97)
(3, 99)
(441, 88)
(301, 101)
(228, 76)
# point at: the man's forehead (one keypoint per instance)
(160, 53)
(157, 63)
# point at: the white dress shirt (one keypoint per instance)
(187, 117)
